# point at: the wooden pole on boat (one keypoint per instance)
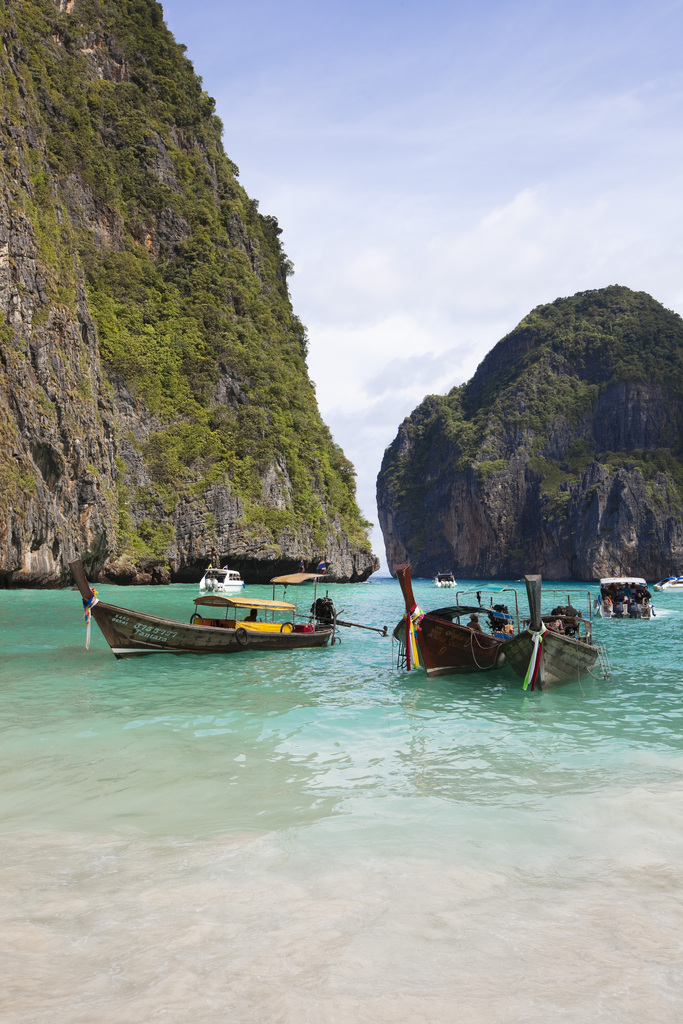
(80, 579)
(403, 574)
(412, 652)
(533, 591)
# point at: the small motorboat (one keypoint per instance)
(221, 581)
(670, 583)
(452, 641)
(624, 597)
(556, 647)
(445, 579)
(220, 624)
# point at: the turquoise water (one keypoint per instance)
(314, 836)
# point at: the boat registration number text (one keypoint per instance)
(142, 629)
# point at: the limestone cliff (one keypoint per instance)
(155, 406)
(563, 455)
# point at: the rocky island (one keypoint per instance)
(563, 455)
(155, 406)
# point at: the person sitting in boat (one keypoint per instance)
(607, 603)
(252, 616)
(474, 623)
(557, 626)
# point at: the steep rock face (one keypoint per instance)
(155, 407)
(563, 455)
(57, 448)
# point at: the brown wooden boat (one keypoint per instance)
(445, 646)
(545, 657)
(219, 625)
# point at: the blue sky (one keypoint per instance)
(439, 169)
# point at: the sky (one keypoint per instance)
(441, 168)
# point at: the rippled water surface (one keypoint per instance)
(316, 837)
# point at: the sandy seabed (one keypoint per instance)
(124, 931)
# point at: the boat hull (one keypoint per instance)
(222, 588)
(564, 658)
(130, 634)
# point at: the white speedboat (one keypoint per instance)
(220, 581)
(445, 579)
(624, 597)
(670, 583)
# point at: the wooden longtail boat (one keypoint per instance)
(445, 647)
(544, 657)
(218, 626)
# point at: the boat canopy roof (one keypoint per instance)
(223, 601)
(297, 577)
(623, 579)
(468, 609)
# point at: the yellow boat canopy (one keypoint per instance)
(219, 601)
(297, 577)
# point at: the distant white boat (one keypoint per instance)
(445, 579)
(220, 581)
(670, 583)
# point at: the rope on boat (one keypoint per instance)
(482, 668)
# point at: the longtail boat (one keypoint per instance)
(440, 643)
(556, 647)
(220, 624)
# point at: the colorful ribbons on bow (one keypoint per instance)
(88, 606)
(412, 620)
(535, 660)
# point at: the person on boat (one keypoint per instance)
(607, 604)
(252, 616)
(557, 626)
(474, 623)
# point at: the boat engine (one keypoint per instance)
(323, 611)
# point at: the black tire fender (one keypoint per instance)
(241, 636)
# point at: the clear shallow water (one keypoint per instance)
(315, 837)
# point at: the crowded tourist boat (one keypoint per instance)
(624, 597)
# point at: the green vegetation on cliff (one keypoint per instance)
(125, 181)
(593, 380)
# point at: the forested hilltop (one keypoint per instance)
(155, 405)
(563, 455)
